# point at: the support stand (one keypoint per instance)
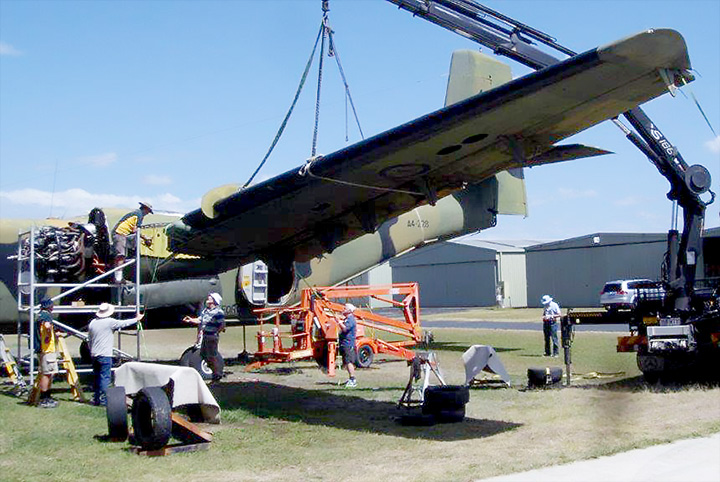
(421, 366)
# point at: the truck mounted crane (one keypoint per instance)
(672, 329)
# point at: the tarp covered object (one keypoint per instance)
(189, 387)
(483, 357)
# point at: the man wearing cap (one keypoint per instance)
(46, 353)
(348, 350)
(211, 322)
(551, 316)
(100, 339)
(125, 228)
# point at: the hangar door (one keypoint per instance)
(451, 284)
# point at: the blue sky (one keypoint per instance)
(109, 102)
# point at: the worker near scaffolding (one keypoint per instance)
(346, 337)
(211, 322)
(124, 230)
(100, 339)
(46, 353)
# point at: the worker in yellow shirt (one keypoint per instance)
(125, 228)
(47, 354)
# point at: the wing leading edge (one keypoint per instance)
(333, 199)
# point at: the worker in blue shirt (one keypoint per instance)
(348, 350)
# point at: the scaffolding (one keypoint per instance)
(28, 302)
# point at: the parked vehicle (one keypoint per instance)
(623, 294)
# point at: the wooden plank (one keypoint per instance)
(171, 449)
(187, 431)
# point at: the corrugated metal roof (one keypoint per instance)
(601, 239)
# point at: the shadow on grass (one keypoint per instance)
(267, 400)
(639, 384)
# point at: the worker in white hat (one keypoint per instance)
(100, 340)
(211, 322)
(551, 317)
(124, 229)
(346, 338)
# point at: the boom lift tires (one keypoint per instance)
(152, 418)
(365, 356)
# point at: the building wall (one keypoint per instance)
(574, 272)
(512, 269)
(449, 274)
(451, 284)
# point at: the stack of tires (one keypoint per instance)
(446, 403)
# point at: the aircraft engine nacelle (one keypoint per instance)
(173, 293)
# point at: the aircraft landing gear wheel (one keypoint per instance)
(117, 414)
(151, 418)
(365, 356)
(191, 358)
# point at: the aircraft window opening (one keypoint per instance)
(449, 150)
(475, 138)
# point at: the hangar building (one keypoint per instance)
(466, 272)
(574, 271)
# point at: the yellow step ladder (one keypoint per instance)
(12, 368)
(69, 367)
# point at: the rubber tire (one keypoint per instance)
(191, 358)
(85, 357)
(151, 418)
(365, 356)
(450, 396)
(117, 414)
(537, 376)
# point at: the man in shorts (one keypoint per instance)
(348, 327)
(47, 354)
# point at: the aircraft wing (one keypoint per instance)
(337, 197)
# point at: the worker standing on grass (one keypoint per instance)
(46, 353)
(348, 350)
(125, 228)
(100, 339)
(551, 317)
(211, 322)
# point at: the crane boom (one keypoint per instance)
(513, 39)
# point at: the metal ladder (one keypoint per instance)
(12, 368)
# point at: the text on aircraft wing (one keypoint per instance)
(305, 212)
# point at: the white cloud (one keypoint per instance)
(71, 202)
(9, 50)
(567, 193)
(155, 180)
(714, 145)
(629, 201)
(100, 160)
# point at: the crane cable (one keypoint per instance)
(287, 116)
(325, 31)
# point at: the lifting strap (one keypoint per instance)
(325, 31)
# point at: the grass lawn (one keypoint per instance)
(290, 421)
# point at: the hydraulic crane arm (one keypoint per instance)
(508, 37)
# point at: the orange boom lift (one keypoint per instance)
(314, 328)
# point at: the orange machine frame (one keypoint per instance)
(314, 328)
